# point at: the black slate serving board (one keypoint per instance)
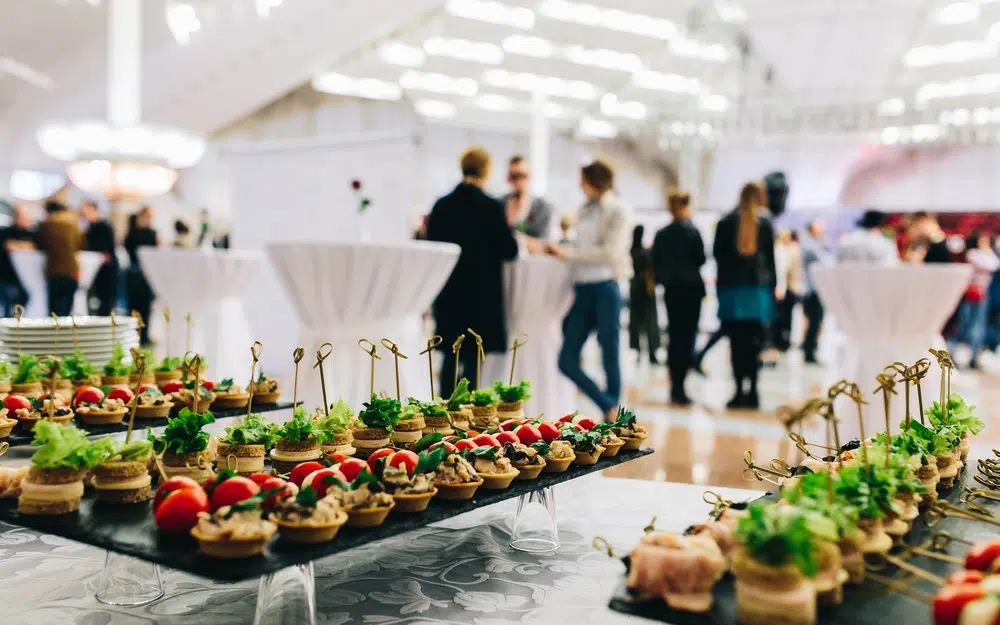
(130, 529)
(867, 604)
(18, 438)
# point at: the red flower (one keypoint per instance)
(356, 184)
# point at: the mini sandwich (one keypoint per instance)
(512, 398)
(456, 404)
(337, 424)
(123, 476)
(436, 418)
(54, 483)
(375, 422)
(116, 370)
(245, 445)
(27, 378)
(186, 448)
(297, 441)
(80, 371)
(10, 481)
(680, 570)
(484, 410)
(410, 427)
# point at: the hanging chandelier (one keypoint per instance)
(121, 157)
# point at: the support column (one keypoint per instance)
(124, 56)
(538, 150)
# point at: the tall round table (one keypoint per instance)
(539, 292)
(888, 314)
(343, 292)
(30, 269)
(209, 284)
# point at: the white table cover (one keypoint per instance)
(343, 292)
(888, 314)
(209, 284)
(30, 269)
(539, 292)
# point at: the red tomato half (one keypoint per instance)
(16, 402)
(548, 431)
(981, 555)
(587, 423)
(352, 468)
(406, 460)
(208, 384)
(509, 425)
(568, 418)
(233, 490)
(259, 478)
(448, 446)
(121, 393)
(484, 440)
(966, 577)
(178, 510)
(317, 480)
(463, 444)
(528, 434)
(179, 482)
(300, 472)
(87, 395)
(951, 599)
(507, 437)
(378, 453)
(288, 490)
(172, 387)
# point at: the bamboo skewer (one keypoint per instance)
(297, 354)
(255, 350)
(396, 355)
(432, 342)
(322, 354)
(139, 362)
(371, 350)
(480, 355)
(18, 313)
(519, 342)
(456, 347)
(887, 384)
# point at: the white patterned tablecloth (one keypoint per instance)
(460, 571)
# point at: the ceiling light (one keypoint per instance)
(435, 108)
(613, 107)
(548, 85)
(957, 13)
(369, 88)
(596, 129)
(493, 12)
(529, 46)
(495, 102)
(555, 110)
(730, 12)
(673, 83)
(32, 186)
(960, 117)
(705, 129)
(891, 107)
(714, 102)
(612, 19)
(438, 83)
(396, 53)
(954, 52)
(608, 59)
(981, 116)
(694, 49)
(981, 84)
(182, 21)
(890, 135)
(464, 50)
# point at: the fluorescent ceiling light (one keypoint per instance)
(730, 12)
(612, 19)
(954, 52)
(981, 84)
(495, 102)
(182, 21)
(435, 108)
(529, 46)
(493, 12)
(548, 85)
(370, 88)
(705, 129)
(396, 53)
(613, 107)
(439, 83)
(673, 83)
(464, 50)
(607, 59)
(957, 13)
(714, 102)
(892, 106)
(596, 128)
(694, 49)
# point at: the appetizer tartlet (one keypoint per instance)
(457, 405)
(609, 440)
(412, 487)
(168, 370)
(410, 427)
(366, 502)
(375, 422)
(529, 460)
(586, 445)
(80, 371)
(153, 404)
(233, 532)
(626, 428)
(266, 391)
(27, 378)
(337, 425)
(680, 570)
(105, 412)
(960, 420)
(559, 456)
(116, 370)
(45, 408)
(123, 476)
(6, 423)
(297, 441)
(185, 447)
(493, 467)
(456, 479)
(54, 483)
(436, 418)
(229, 396)
(484, 410)
(184, 396)
(245, 444)
(307, 517)
(512, 399)
(10, 481)
(6, 373)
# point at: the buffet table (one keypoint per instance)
(209, 284)
(459, 571)
(30, 269)
(888, 314)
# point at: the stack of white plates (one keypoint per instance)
(95, 337)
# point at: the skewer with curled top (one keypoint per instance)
(754, 472)
(887, 386)
(917, 373)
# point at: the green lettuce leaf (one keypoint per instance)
(117, 366)
(78, 367)
(62, 447)
(253, 430)
(340, 418)
(380, 412)
(484, 397)
(512, 393)
(459, 396)
(169, 363)
(302, 427)
(27, 370)
(184, 433)
(780, 535)
(960, 417)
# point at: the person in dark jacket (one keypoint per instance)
(642, 314)
(140, 294)
(473, 296)
(101, 238)
(678, 255)
(16, 237)
(60, 238)
(744, 252)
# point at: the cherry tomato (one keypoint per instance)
(484, 440)
(463, 444)
(509, 425)
(300, 471)
(16, 402)
(471, 434)
(966, 577)
(568, 418)
(287, 490)
(86, 395)
(233, 490)
(507, 437)
(259, 478)
(548, 431)
(179, 482)
(334, 459)
(528, 434)
(317, 480)
(172, 387)
(449, 448)
(121, 393)
(451, 439)
(145, 387)
(352, 468)
(951, 599)
(406, 460)
(981, 555)
(378, 453)
(587, 423)
(178, 509)
(208, 384)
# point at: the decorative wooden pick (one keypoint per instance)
(854, 392)
(139, 362)
(519, 342)
(255, 350)
(140, 323)
(321, 354)
(918, 371)
(396, 354)
(297, 354)
(887, 385)
(55, 319)
(4, 446)
(480, 355)
(166, 319)
(18, 312)
(114, 328)
(191, 363)
(371, 351)
(76, 338)
(838, 389)
(432, 342)
(455, 348)
(755, 472)
(944, 361)
(187, 332)
(53, 364)
(905, 376)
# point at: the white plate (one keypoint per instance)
(82, 323)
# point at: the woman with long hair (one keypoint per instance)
(744, 252)
(678, 255)
(642, 318)
(140, 294)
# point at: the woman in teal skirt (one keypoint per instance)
(744, 252)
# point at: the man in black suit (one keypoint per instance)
(101, 238)
(473, 296)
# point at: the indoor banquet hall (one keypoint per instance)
(534, 312)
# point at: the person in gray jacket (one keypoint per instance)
(525, 213)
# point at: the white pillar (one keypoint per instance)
(540, 138)
(124, 61)
(689, 170)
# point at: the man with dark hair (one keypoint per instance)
(931, 242)
(530, 215)
(15, 237)
(101, 238)
(59, 237)
(868, 244)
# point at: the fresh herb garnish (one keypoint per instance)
(512, 393)
(224, 386)
(541, 447)
(302, 427)
(430, 460)
(780, 535)
(78, 367)
(253, 430)
(960, 417)
(307, 497)
(585, 442)
(427, 440)
(116, 366)
(169, 363)
(184, 433)
(484, 397)
(380, 412)
(626, 418)
(459, 396)
(340, 418)
(486, 451)
(28, 370)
